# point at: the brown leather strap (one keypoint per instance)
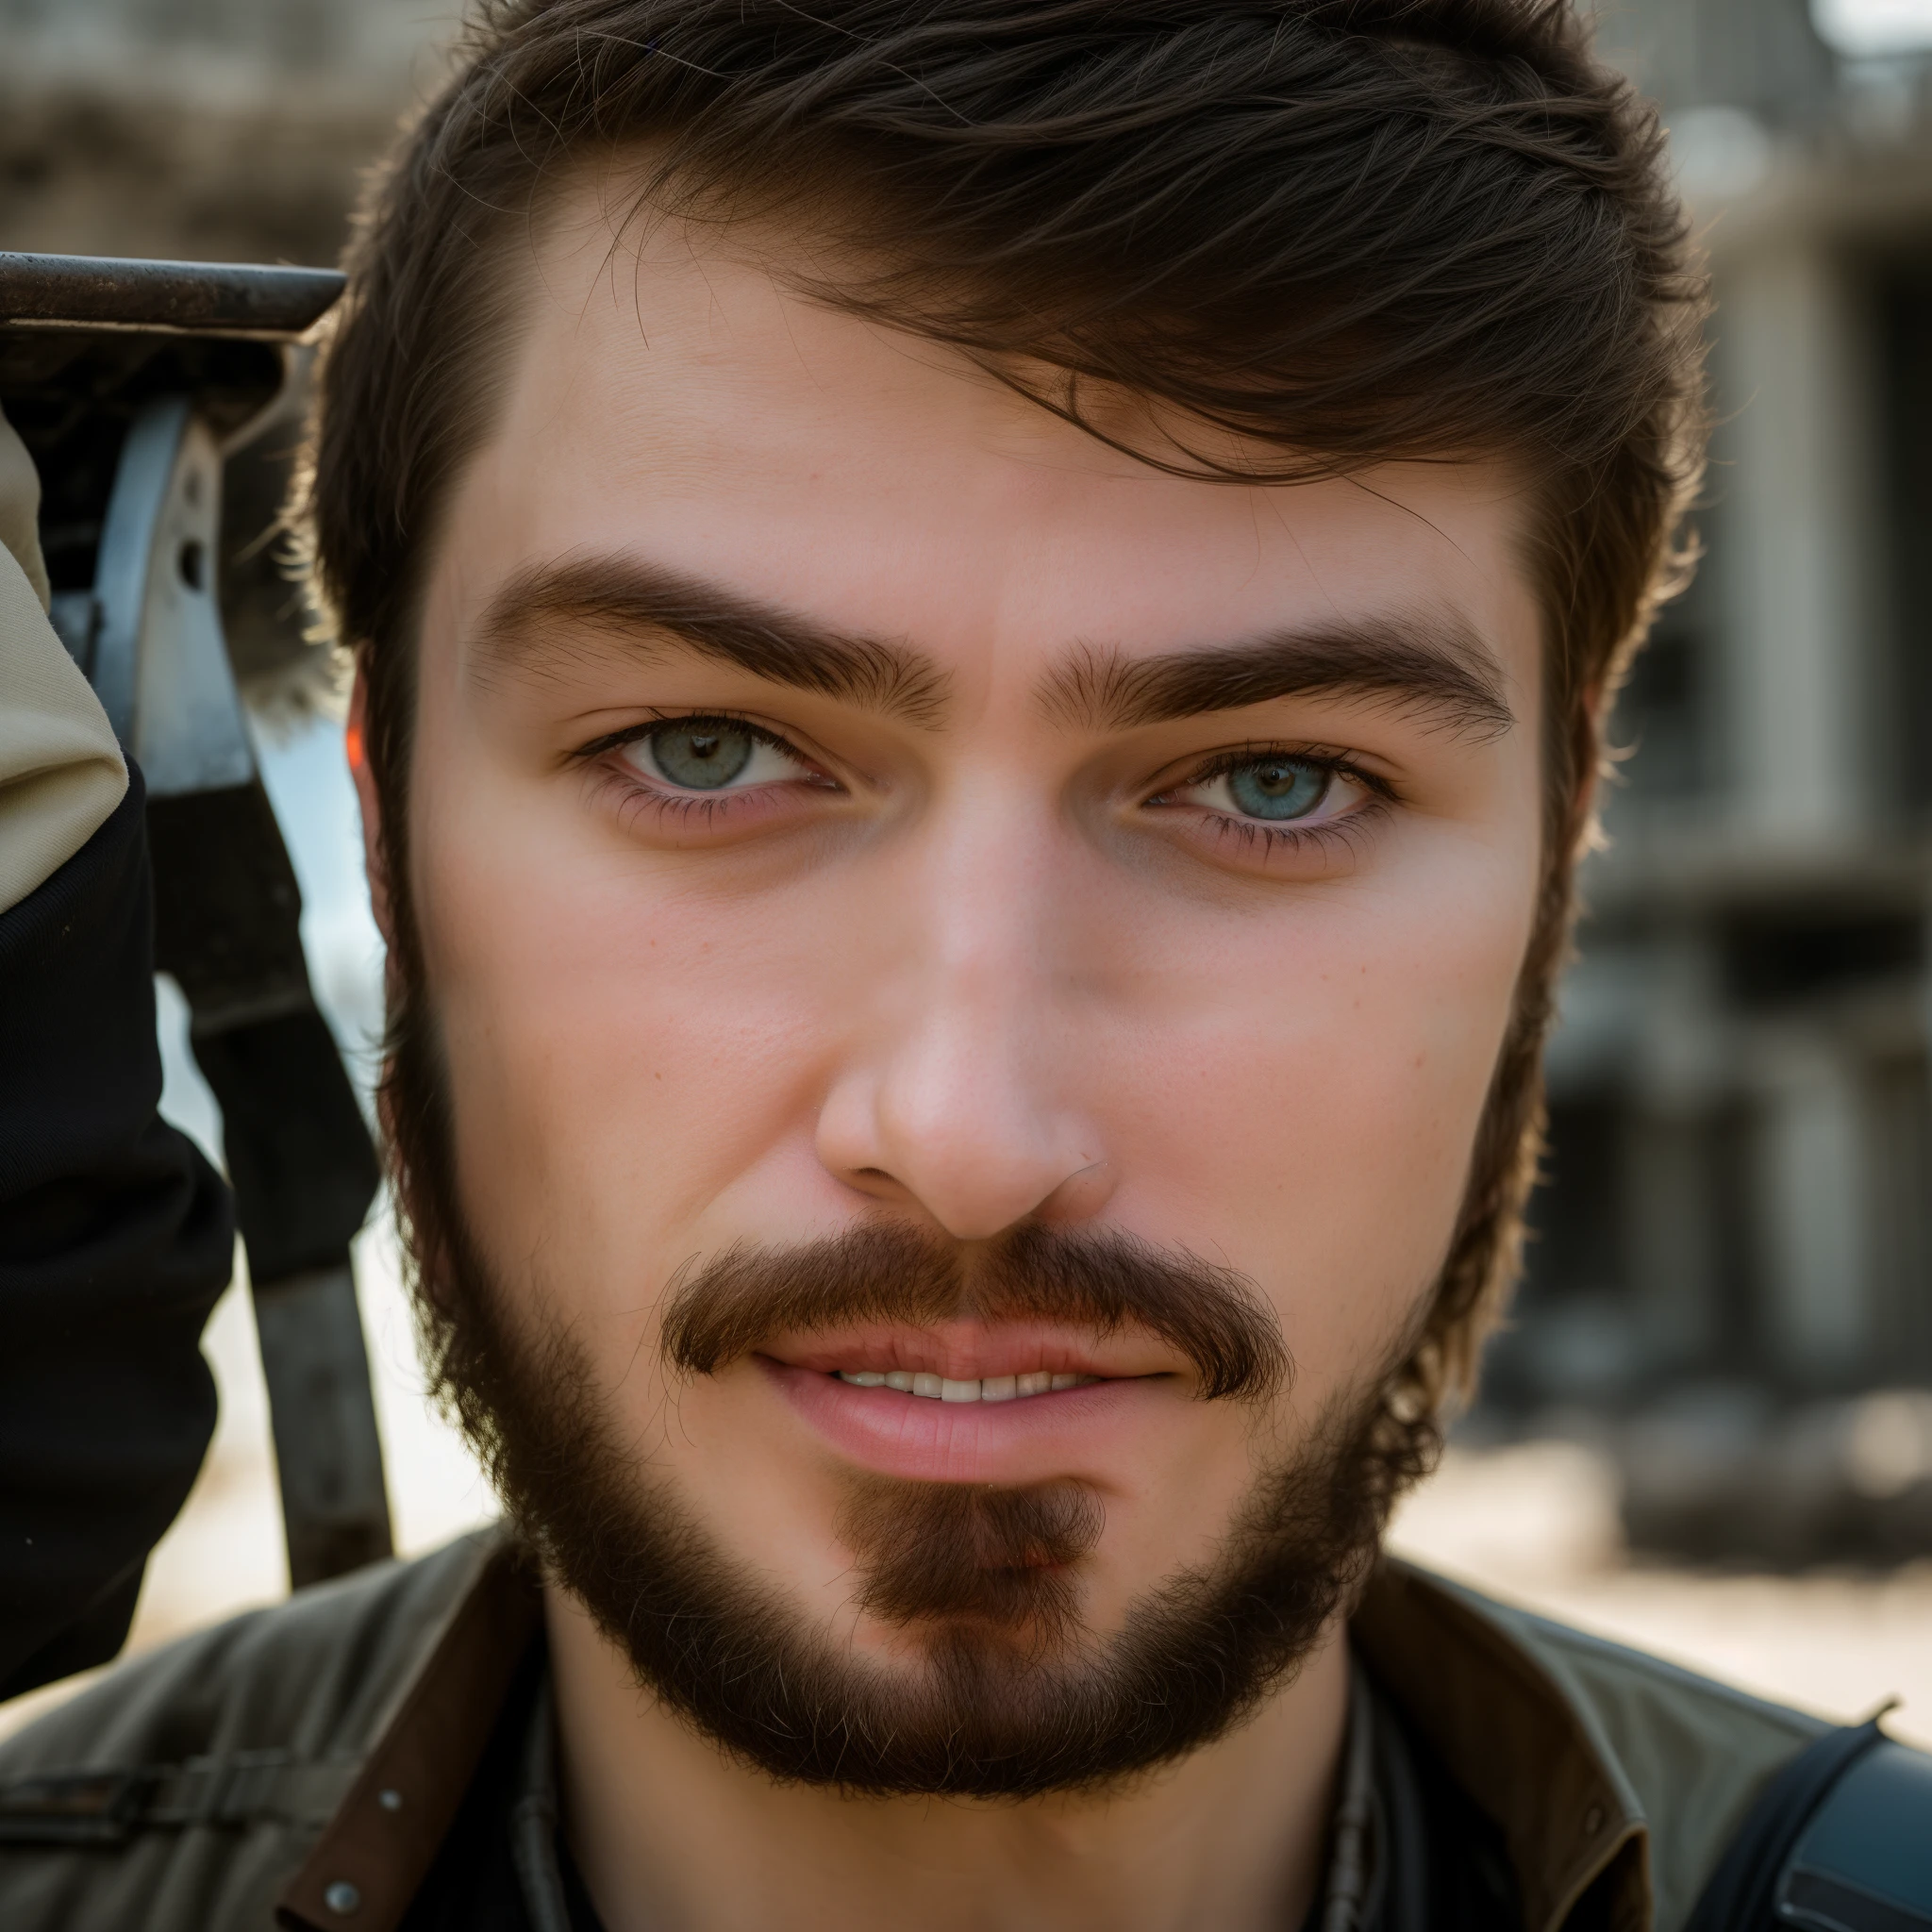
(108, 1804)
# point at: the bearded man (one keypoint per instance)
(981, 635)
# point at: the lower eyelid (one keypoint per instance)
(1345, 830)
(634, 789)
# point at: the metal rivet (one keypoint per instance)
(341, 1897)
(390, 1801)
(1593, 1821)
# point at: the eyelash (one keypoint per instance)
(639, 793)
(1329, 835)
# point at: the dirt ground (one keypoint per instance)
(1536, 1523)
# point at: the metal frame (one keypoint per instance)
(147, 631)
(176, 297)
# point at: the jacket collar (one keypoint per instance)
(1500, 1724)
(377, 1849)
(1516, 1744)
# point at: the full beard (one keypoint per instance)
(998, 1687)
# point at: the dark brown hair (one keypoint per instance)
(1347, 230)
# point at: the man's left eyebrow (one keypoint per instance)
(1440, 668)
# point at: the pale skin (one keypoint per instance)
(1006, 957)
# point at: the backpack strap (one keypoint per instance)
(107, 1807)
(1839, 1840)
(1864, 1863)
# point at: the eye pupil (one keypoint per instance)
(1277, 788)
(701, 756)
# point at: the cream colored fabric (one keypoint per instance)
(61, 771)
(19, 504)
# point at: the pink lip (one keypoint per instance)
(1033, 1439)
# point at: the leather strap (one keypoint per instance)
(108, 1806)
(1739, 1897)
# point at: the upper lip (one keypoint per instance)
(963, 1351)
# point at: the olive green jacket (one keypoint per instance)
(300, 1765)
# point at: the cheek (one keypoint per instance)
(618, 1056)
(1316, 1124)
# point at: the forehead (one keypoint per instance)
(673, 394)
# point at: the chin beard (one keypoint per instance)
(988, 1683)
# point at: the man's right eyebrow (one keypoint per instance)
(646, 604)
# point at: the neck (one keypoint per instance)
(672, 1835)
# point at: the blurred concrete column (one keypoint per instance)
(1673, 1237)
(1812, 1212)
(1793, 491)
(1672, 1205)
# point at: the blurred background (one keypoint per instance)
(1708, 1429)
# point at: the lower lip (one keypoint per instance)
(1031, 1438)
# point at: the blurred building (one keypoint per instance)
(1735, 1244)
(1738, 1224)
(209, 129)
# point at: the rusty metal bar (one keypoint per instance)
(206, 298)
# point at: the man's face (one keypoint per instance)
(846, 797)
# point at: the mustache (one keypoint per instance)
(1106, 1281)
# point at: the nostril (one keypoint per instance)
(877, 1184)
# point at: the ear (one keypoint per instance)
(355, 740)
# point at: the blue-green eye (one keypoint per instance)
(1277, 788)
(710, 754)
(701, 753)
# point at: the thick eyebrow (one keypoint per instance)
(644, 603)
(1440, 667)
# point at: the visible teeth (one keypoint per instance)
(946, 1389)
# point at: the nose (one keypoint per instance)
(958, 1098)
